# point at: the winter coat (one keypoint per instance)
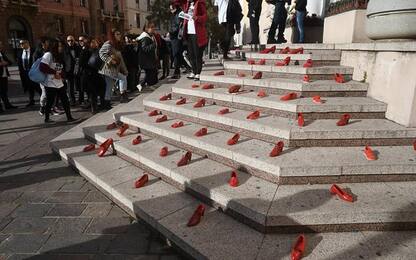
(109, 69)
(234, 12)
(301, 5)
(175, 25)
(200, 12)
(147, 51)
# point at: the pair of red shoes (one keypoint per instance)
(254, 115)
(162, 119)
(285, 62)
(289, 96)
(104, 147)
(166, 97)
(339, 78)
(258, 75)
(301, 120)
(269, 50)
(262, 93)
(153, 113)
(234, 89)
(233, 140)
(277, 149)
(308, 63)
(89, 148)
(200, 103)
(241, 75)
(111, 126)
(142, 181)
(122, 129)
(341, 193)
(164, 151)
(177, 124)
(136, 140)
(287, 50)
(317, 100)
(345, 119)
(219, 73)
(306, 79)
(201, 132)
(181, 101)
(208, 86)
(224, 111)
(186, 159)
(195, 86)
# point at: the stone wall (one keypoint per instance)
(346, 27)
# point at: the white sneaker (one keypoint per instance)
(196, 78)
(139, 87)
(191, 76)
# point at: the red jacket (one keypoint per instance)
(200, 12)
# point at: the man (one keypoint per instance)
(84, 54)
(71, 56)
(25, 60)
(4, 74)
(39, 52)
(131, 59)
(279, 22)
(175, 37)
(254, 12)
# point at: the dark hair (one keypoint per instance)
(54, 49)
(148, 24)
(118, 45)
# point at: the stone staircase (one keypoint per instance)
(277, 197)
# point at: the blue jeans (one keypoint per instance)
(109, 83)
(300, 18)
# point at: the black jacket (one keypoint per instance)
(147, 52)
(69, 60)
(2, 68)
(234, 12)
(20, 60)
(301, 5)
(84, 56)
(175, 25)
(130, 56)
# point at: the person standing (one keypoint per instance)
(25, 59)
(196, 34)
(39, 52)
(222, 6)
(300, 18)
(83, 42)
(254, 12)
(278, 23)
(176, 23)
(95, 83)
(4, 75)
(131, 58)
(71, 56)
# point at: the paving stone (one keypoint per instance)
(75, 185)
(67, 197)
(76, 243)
(9, 196)
(7, 208)
(127, 257)
(34, 197)
(52, 257)
(109, 225)
(160, 247)
(116, 212)
(97, 210)
(70, 225)
(29, 225)
(23, 243)
(129, 244)
(4, 222)
(67, 210)
(32, 210)
(88, 187)
(96, 196)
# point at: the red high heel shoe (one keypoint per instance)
(277, 150)
(414, 145)
(339, 78)
(241, 75)
(164, 151)
(201, 132)
(208, 86)
(296, 51)
(308, 63)
(317, 100)
(299, 248)
(177, 124)
(262, 62)
(258, 75)
(200, 103)
(289, 96)
(181, 101)
(185, 159)
(195, 86)
(284, 51)
(142, 181)
(224, 111)
(122, 130)
(262, 93)
(162, 119)
(254, 115)
(234, 89)
(153, 113)
(196, 217)
(111, 126)
(219, 73)
(89, 148)
(104, 147)
(301, 120)
(345, 119)
(369, 153)
(342, 194)
(251, 62)
(233, 180)
(165, 97)
(233, 140)
(285, 62)
(137, 140)
(306, 78)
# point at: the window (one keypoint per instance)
(103, 28)
(101, 4)
(115, 6)
(83, 3)
(138, 4)
(138, 20)
(84, 27)
(60, 25)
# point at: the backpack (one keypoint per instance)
(35, 74)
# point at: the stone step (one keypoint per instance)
(306, 46)
(294, 165)
(296, 59)
(333, 107)
(321, 132)
(167, 210)
(281, 86)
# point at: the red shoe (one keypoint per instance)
(299, 248)
(219, 73)
(342, 194)
(224, 111)
(277, 150)
(200, 103)
(254, 115)
(369, 153)
(142, 181)
(122, 130)
(285, 62)
(284, 51)
(262, 62)
(195, 85)
(296, 51)
(251, 62)
(414, 145)
(233, 140)
(153, 113)
(201, 132)
(317, 100)
(344, 120)
(339, 78)
(289, 96)
(185, 159)
(234, 89)
(306, 78)
(162, 119)
(89, 148)
(196, 217)
(273, 49)
(164, 151)
(177, 124)
(233, 180)
(301, 120)
(241, 75)
(104, 147)
(262, 93)
(181, 101)
(111, 126)
(208, 86)
(308, 64)
(165, 97)
(258, 75)
(137, 140)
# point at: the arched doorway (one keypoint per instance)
(18, 29)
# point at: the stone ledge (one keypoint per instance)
(379, 46)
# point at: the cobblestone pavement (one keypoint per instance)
(47, 211)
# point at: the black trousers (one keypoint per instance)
(279, 22)
(229, 34)
(30, 86)
(70, 81)
(4, 90)
(254, 12)
(177, 55)
(81, 86)
(132, 78)
(150, 77)
(195, 54)
(95, 87)
(51, 95)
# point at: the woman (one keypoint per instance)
(52, 65)
(300, 18)
(114, 68)
(196, 34)
(148, 58)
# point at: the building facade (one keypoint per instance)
(107, 15)
(137, 12)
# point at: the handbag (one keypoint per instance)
(35, 74)
(95, 61)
